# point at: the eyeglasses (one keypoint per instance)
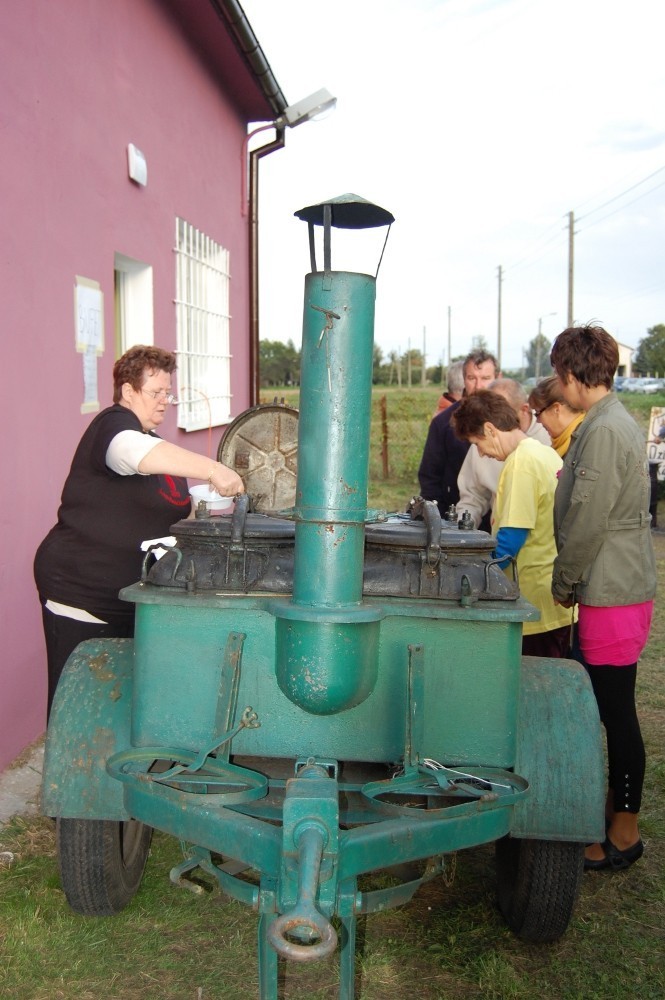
(160, 394)
(537, 413)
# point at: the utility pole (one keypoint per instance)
(498, 332)
(539, 344)
(539, 347)
(449, 348)
(571, 264)
(423, 374)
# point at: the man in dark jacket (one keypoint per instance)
(444, 453)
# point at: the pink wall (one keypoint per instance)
(80, 80)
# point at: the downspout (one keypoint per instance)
(235, 18)
(253, 211)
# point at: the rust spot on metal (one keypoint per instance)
(99, 665)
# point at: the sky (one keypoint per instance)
(480, 124)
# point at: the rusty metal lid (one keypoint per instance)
(262, 446)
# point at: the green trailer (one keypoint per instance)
(326, 691)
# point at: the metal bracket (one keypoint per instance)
(414, 723)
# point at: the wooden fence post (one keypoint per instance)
(384, 437)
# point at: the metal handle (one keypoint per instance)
(144, 566)
(238, 518)
(499, 562)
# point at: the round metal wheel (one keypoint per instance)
(537, 885)
(261, 444)
(101, 863)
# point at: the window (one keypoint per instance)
(134, 323)
(202, 329)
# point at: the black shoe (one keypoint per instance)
(615, 859)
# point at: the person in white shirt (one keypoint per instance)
(479, 476)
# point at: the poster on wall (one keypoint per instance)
(89, 325)
(656, 439)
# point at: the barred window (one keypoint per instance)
(202, 329)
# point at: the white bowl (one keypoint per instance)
(214, 500)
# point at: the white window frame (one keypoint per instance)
(134, 317)
(202, 329)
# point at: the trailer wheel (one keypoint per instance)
(101, 863)
(537, 885)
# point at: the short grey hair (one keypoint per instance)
(511, 390)
(456, 377)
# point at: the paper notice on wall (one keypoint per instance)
(89, 326)
(90, 390)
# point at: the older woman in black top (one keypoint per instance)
(125, 485)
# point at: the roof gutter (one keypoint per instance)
(247, 43)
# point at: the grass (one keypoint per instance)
(409, 412)
(408, 415)
(448, 942)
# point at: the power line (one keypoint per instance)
(539, 246)
(541, 250)
(622, 193)
(620, 208)
(637, 293)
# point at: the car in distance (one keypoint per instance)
(647, 385)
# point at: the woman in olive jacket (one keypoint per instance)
(606, 564)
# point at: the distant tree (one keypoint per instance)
(537, 357)
(650, 357)
(279, 363)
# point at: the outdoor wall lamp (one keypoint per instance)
(137, 166)
(310, 107)
(303, 111)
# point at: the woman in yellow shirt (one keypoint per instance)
(522, 518)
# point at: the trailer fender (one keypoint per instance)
(90, 721)
(559, 752)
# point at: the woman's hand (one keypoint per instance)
(227, 482)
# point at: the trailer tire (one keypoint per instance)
(538, 882)
(101, 863)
